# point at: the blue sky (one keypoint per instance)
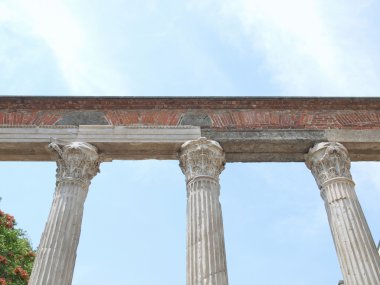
(134, 223)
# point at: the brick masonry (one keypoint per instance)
(215, 113)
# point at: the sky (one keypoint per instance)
(134, 225)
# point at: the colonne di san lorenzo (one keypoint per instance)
(203, 134)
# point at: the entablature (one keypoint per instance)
(248, 128)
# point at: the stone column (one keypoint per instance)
(202, 161)
(77, 164)
(357, 254)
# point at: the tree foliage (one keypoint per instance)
(16, 253)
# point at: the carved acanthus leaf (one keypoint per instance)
(77, 162)
(327, 161)
(202, 157)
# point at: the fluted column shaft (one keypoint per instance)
(202, 161)
(357, 253)
(77, 164)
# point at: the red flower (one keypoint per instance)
(2, 281)
(31, 254)
(3, 259)
(9, 218)
(1, 215)
(24, 275)
(18, 270)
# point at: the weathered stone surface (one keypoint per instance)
(77, 164)
(191, 119)
(202, 161)
(357, 253)
(114, 142)
(139, 142)
(76, 118)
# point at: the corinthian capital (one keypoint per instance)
(77, 162)
(201, 158)
(327, 161)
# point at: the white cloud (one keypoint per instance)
(311, 47)
(85, 68)
(5, 14)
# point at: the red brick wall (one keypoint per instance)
(222, 113)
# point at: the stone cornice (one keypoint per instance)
(109, 102)
(164, 142)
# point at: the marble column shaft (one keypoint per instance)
(202, 161)
(357, 253)
(77, 164)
